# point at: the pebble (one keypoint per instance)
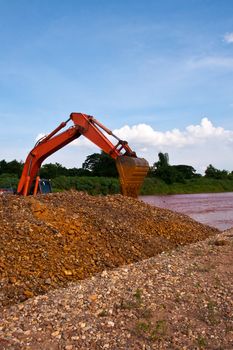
(90, 241)
(70, 314)
(55, 334)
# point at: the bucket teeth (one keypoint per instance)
(132, 172)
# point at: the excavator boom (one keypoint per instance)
(132, 169)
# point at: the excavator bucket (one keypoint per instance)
(131, 173)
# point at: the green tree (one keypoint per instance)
(172, 173)
(214, 173)
(3, 166)
(163, 160)
(186, 171)
(100, 164)
(13, 167)
(78, 172)
(50, 171)
(9, 181)
(163, 170)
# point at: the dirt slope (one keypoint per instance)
(180, 299)
(51, 240)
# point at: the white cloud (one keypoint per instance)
(82, 141)
(40, 136)
(197, 145)
(211, 62)
(144, 134)
(228, 37)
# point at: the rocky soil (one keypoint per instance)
(83, 272)
(180, 299)
(51, 240)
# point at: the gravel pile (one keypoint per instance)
(51, 240)
(181, 299)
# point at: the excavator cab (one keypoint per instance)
(45, 186)
(132, 171)
(42, 186)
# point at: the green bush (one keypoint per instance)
(151, 185)
(91, 185)
(9, 181)
(196, 185)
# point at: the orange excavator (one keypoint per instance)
(131, 169)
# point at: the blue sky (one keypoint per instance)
(143, 68)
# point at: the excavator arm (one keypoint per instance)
(132, 169)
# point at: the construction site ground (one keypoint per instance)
(111, 273)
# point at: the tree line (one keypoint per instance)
(180, 173)
(102, 165)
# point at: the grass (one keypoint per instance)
(154, 331)
(138, 296)
(103, 313)
(205, 268)
(210, 314)
(199, 185)
(151, 185)
(134, 303)
(201, 342)
(159, 330)
(145, 325)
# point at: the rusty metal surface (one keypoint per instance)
(132, 172)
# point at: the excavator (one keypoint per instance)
(131, 169)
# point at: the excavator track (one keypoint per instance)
(132, 171)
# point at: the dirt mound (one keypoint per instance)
(53, 239)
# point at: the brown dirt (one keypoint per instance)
(181, 299)
(48, 241)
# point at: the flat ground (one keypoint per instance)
(172, 291)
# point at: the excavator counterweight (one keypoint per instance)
(131, 169)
